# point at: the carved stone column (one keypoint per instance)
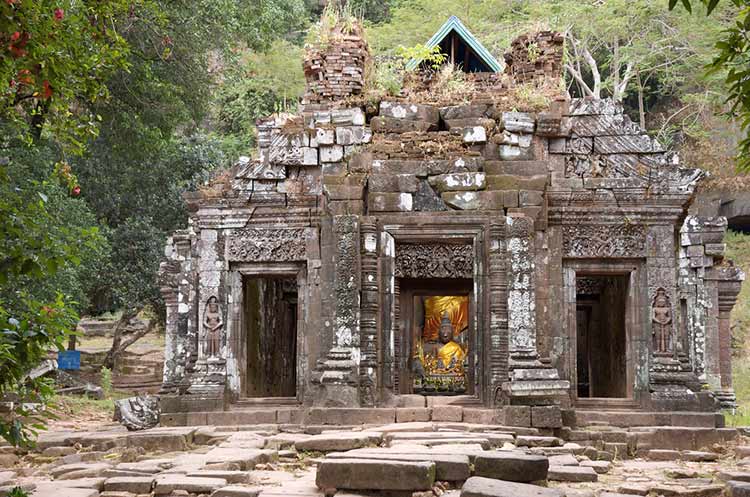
(531, 382)
(337, 376)
(729, 281)
(368, 340)
(498, 346)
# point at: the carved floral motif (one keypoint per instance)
(267, 245)
(434, 260)
(604, 241)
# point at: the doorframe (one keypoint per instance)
(440, 229)
(237, 360)
(635, 326)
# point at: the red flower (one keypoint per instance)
(47, 93)
(59, 14)
(11, 2)
(76, 191)
(17, 43)
(12, 83)
(15, 36)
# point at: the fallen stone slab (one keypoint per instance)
(511, 466)
(742, 451)
(151, 466)
(601, 467)
(734, 476)
(229, 476)
(237, 491)
(76, 471)
(285, 440)
(92, 483)
(333, 442)
(680, 491)
(534, 441)
(635, 488)
(572, 473)
(112, 473)
(168, 484)
(563, 460)
(470, 450)
(477, 486)
(698, 456)
(448, 467)
(132, 484)
(682, 473)
(372, 474)
(7, 478)
(247, 459)
(270, 477)
(173, 440)
(53, 490)
(663, 455)
(738, 489)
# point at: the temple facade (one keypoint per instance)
(486, 249)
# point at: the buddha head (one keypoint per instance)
(446, 329)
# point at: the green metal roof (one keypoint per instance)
(455, 24)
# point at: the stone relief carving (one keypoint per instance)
(604, 241)
(661, 317)
(267, 245)
(434, 260)
(212, 327)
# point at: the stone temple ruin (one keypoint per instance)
(512, 252)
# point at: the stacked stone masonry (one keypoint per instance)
(539, 219)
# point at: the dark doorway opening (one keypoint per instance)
(601, 345)
(270, 318)
(435, 347)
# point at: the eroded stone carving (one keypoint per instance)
(661, 316)
(212, 327)
(604, 241)
(434, 260)
(138, 413)
(267, 245)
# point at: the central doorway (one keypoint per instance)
(270, 309)
(601, 336)
(435, 345)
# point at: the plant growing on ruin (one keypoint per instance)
(433, 57)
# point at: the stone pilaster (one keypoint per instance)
(369, 317)
(498, 350)
(530, 381)
(337, 376)
(729, 280)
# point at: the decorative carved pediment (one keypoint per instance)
(434, 260)
(267, 245)
(604, 241)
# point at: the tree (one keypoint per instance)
(733, 60)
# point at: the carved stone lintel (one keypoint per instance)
(434, 260)
(604, 241)
(271, 244)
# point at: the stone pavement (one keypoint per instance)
(418, 459)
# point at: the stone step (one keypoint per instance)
(631, 418)
(448, 467)
(477, 486)
(511, 466)
(572, 474)
(372, 474)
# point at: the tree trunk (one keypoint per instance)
(110, 360)
(641, 109)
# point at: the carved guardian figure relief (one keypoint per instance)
(212, 327)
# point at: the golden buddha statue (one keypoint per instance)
(435, 308)
(450, 354)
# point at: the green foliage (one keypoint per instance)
(18, 492)
(432, 56)
(257, 85)
(56, 54)
(106, 382)
(732, 60)
(35, 247)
